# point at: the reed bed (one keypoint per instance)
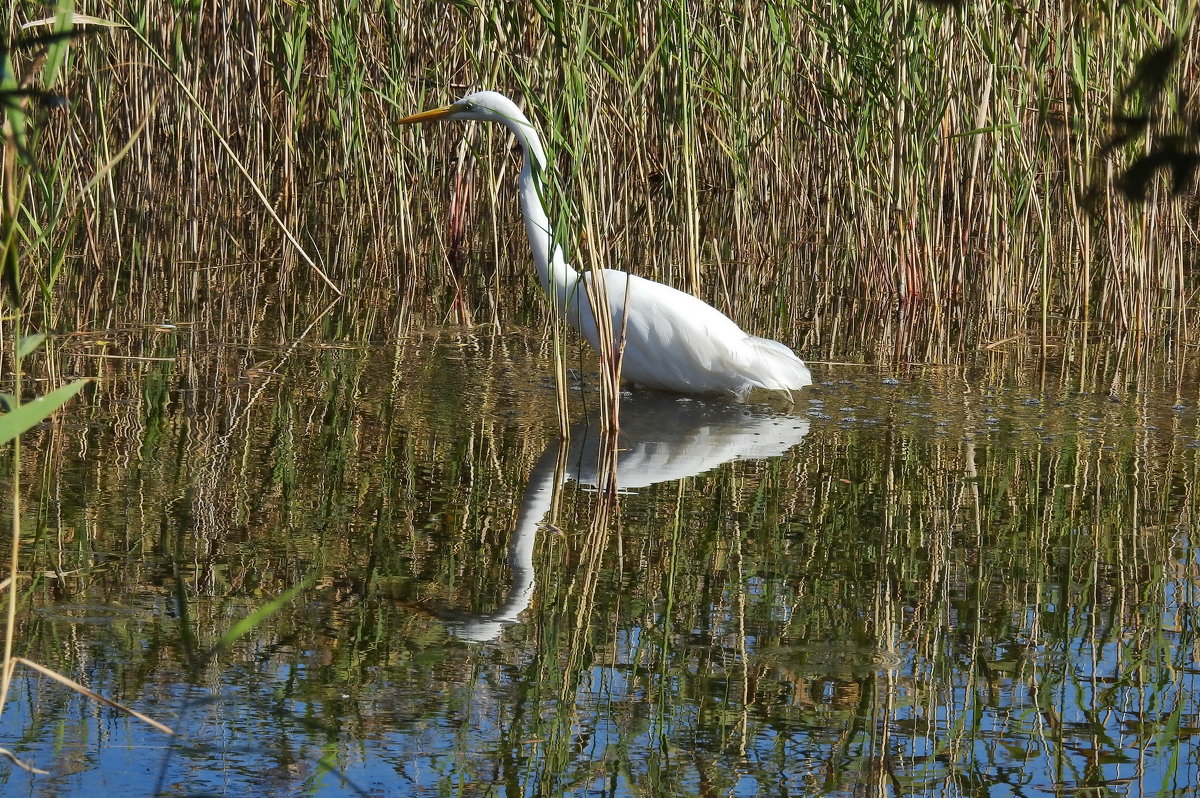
(901, 182)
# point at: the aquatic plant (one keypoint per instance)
(892, 182)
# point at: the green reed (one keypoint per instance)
(27, 65)
(875, 182)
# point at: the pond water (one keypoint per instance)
(933, 583)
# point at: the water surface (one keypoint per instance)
(928, 583)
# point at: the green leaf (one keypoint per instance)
(258, 616)
(56, 54)
(31, 413)
(30, 343)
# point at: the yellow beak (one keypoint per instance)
(427, 116)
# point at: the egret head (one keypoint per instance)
(483, 106)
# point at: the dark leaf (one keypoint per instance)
(1127, 129)
(51, 101)
(10, 274)
(1169, 154)
(47, 39)
(1152, 72)
(1135, 182)
(7, 94)
(1183, 172)
(1135, 123)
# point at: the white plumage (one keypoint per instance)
(672, 340)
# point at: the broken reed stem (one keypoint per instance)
(22, 765)
(79, 688)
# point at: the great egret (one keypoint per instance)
(672, 340)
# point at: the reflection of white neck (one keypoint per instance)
(535, 504)
(558, 278)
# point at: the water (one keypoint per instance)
(907, 584)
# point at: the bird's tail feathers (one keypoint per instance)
(779, 368)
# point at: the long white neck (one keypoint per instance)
(558, 278)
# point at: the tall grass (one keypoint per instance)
(903, 182)
(24, 87)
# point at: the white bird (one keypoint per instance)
(672, 340)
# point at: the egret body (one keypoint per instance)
(671, 340)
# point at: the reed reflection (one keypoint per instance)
(662, 439)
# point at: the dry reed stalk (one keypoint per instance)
(605, 518)
(91, 694)
(611, 341)
(842, 170)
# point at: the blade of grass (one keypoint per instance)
(32, 412)
(247, 624)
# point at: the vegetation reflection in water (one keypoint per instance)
(922, 585)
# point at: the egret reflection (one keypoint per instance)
(662, 439)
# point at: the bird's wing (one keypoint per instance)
(674, 340)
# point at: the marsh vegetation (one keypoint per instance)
(311, 510)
